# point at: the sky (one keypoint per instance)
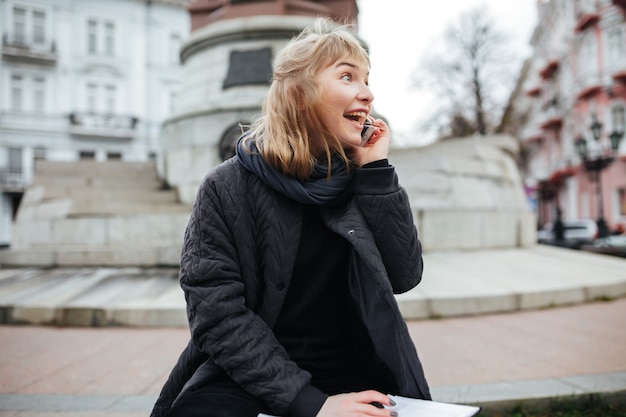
(399, 32)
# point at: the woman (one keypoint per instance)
(293, 252)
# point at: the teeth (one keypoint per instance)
(357, 114)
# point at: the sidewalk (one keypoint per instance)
(492, 360)
(514, 326)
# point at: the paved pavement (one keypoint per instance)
(494, 328)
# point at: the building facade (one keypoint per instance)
(575, 88)
(83, 79)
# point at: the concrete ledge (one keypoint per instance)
(95, 256)
(454, 284)
(460, 283)
(492, 398)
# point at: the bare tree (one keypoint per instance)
(470, 77)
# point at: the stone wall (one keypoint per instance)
(467, 193)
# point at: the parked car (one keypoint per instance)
(610, 245)
(578, 232)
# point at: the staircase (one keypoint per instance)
(90, 213)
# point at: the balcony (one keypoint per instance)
(103, 126)
(560, 174)
(589, 85)
(549, 69)
(12, 181)
(550, 115)
(552, 119)
(586, 20)
(615, 66)
(534, 91)
(20, 51)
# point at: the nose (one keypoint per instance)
(365, 94)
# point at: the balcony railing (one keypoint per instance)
(551, 118)
(589, 84)
(22, 51)
(549, 69)
(12, 180)
(103, 125)
(585, 20)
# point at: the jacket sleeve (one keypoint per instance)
(222, 326)
(385, 206)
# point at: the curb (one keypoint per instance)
(493, 398)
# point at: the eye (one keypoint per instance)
(346, 77)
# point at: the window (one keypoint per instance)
(92, 36)
(39, 27)
(15, 160)
(175, 43)
(621, 197)
(588, 6)
(589, 55)
(618, 119)
(17, 92)
(87, 155)
(28, 92)
(172, 101)
(92, 98)
(100, 37)
(29, 25)
(109, 99)
(616, 47)
(109, 38)
(39, 153)
(100, 97)
(39, 94)
(19, 25)
(114, 156)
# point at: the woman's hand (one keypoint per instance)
(376, 148)
(357, 404)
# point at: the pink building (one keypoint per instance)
(576, 89)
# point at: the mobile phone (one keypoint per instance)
(366, 133)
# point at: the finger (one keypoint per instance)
(380, 123)
(373, 411)
(372, 396)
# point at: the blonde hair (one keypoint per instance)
(292, 106)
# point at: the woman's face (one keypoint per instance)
(346, 99)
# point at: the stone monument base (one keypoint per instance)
(467, 193)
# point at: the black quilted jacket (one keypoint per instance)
(237, 259)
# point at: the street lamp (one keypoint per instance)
(596, 164)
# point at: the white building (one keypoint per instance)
(576, 95)
(83, 79)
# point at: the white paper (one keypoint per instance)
(411, 407)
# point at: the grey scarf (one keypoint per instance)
(319, 189)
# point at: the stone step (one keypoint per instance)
(94, 168)
(86, 181)
(90, 256)
(131, 195)
(92, 297)
(89, 231)
(83, 208)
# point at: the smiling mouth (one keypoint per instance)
(357, 116)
